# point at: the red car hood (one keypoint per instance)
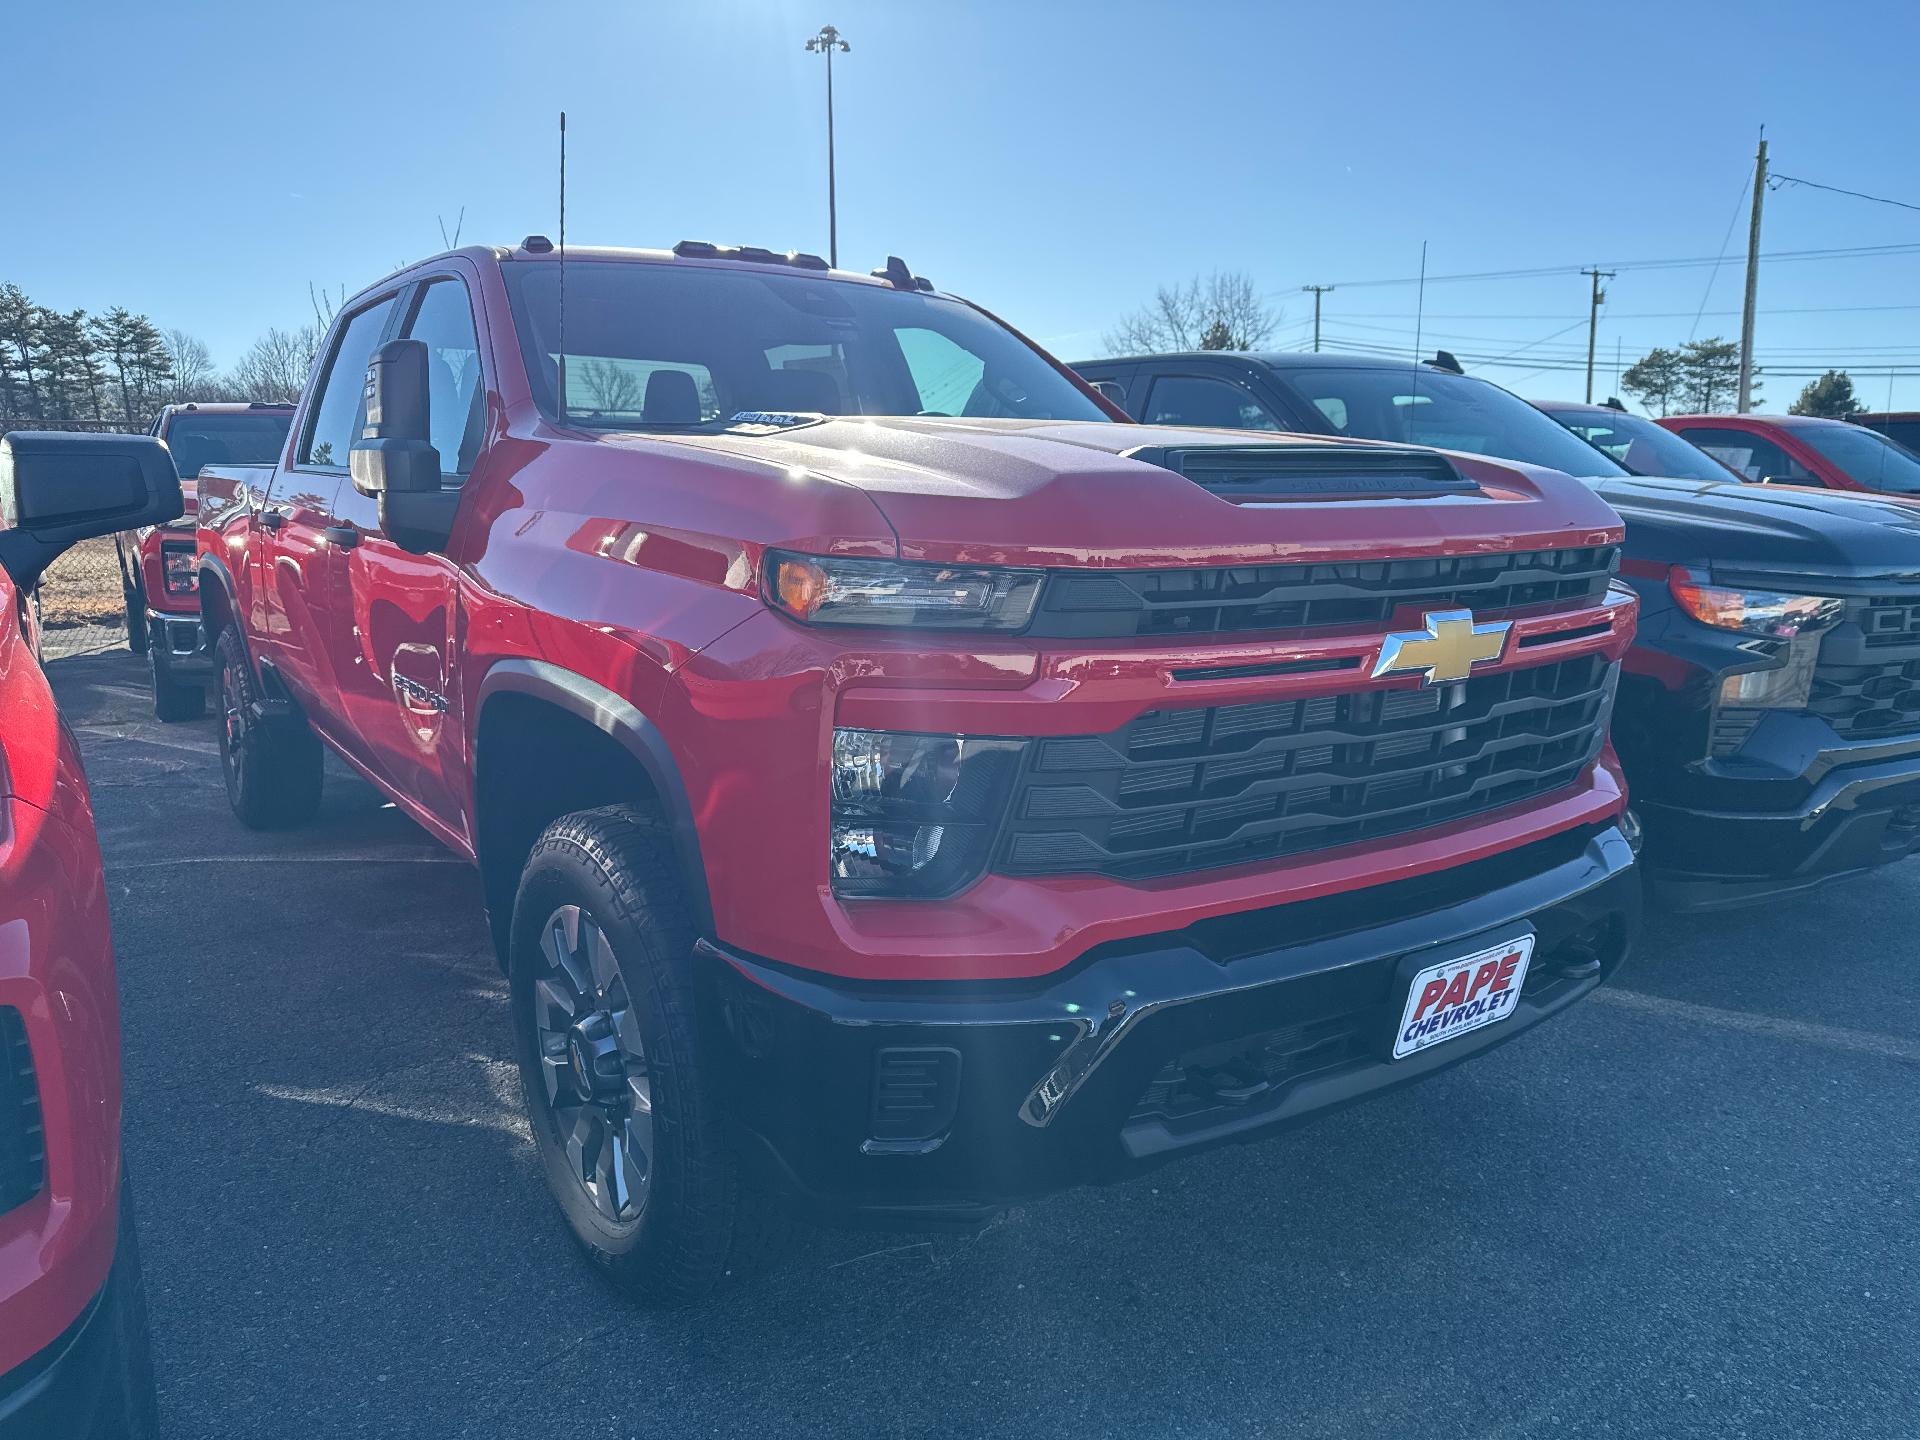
(1057, 493)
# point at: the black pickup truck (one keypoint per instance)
(1769, 714)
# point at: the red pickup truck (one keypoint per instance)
(898, 786)
(74, 1357)
(163, 612)
(1803, 450)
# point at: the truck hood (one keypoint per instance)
(1067, 493)
(1734, 527)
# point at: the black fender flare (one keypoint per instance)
(213, 568)
(620, 719)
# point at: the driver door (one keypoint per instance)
(395, 615)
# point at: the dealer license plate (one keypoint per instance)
(1457, 997)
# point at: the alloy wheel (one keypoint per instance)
(593, 1064)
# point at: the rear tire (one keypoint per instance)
(273, 767)
(173, 701)
(628, 1132)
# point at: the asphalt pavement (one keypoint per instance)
(1686, 1208)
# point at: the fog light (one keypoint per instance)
(914, 815)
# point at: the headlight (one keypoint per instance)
(823, 590)
(1786, 687)
(177, 560)
(1771, 613)
(914, 815)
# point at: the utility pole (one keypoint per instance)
(1317, 291)
(825, 43)
(1593, 322)
(1753, 276)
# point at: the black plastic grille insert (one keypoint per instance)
(23, 1140)
(1234, 599)
(1184, 790)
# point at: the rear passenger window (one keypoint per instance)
(456, 399)
(336, 406)
(1195, 400)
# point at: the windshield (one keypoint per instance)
(1867, 457)
(673, 346)
(1641, 446)
(234, 439)
(1429, 407)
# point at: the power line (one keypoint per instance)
(1850, 252)
(1776, 180)
(1725, 241)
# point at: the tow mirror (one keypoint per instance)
(58, 489)
(394, 458)
(394, 453)
(1111, 390)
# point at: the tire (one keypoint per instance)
(173, 701)
(602, 956)
(129, 1409)
(273, 767)
(139, 640)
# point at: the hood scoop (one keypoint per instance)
(1287, 474)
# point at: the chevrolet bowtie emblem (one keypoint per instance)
(1447, 649)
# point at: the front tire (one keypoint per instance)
(173, 701)
(273, 768)
(619, 1090)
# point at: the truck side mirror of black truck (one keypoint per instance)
(394, 459)
(59, 489)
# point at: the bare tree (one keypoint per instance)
(275, 366)
(1222, 312)
(193, 373)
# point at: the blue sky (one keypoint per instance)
(1055, 160)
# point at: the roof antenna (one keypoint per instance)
(560, 369)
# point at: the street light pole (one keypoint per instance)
(825, 43)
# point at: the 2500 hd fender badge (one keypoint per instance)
(1450, 646)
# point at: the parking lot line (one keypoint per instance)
(1861, 1042)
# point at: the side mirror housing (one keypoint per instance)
(58, 489)
(394, 454)
(1111, 390)
(394, 459)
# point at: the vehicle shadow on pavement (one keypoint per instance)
(1636, 1220)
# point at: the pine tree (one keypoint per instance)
(1831, 395)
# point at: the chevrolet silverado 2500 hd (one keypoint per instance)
(897, 788)
(163, 613)
(74, 1357)
(1769, 712)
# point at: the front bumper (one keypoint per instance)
(895, 1103)
(1796, 810)
(179, 644)
(96, 1378)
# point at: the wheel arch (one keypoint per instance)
(218, 601)
(609, 752)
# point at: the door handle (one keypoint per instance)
(271, 519)
(344, 536)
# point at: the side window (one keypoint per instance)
(1193, 400)
(944, 374)
(1754, 457)
(336, 406)
(456, 398)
